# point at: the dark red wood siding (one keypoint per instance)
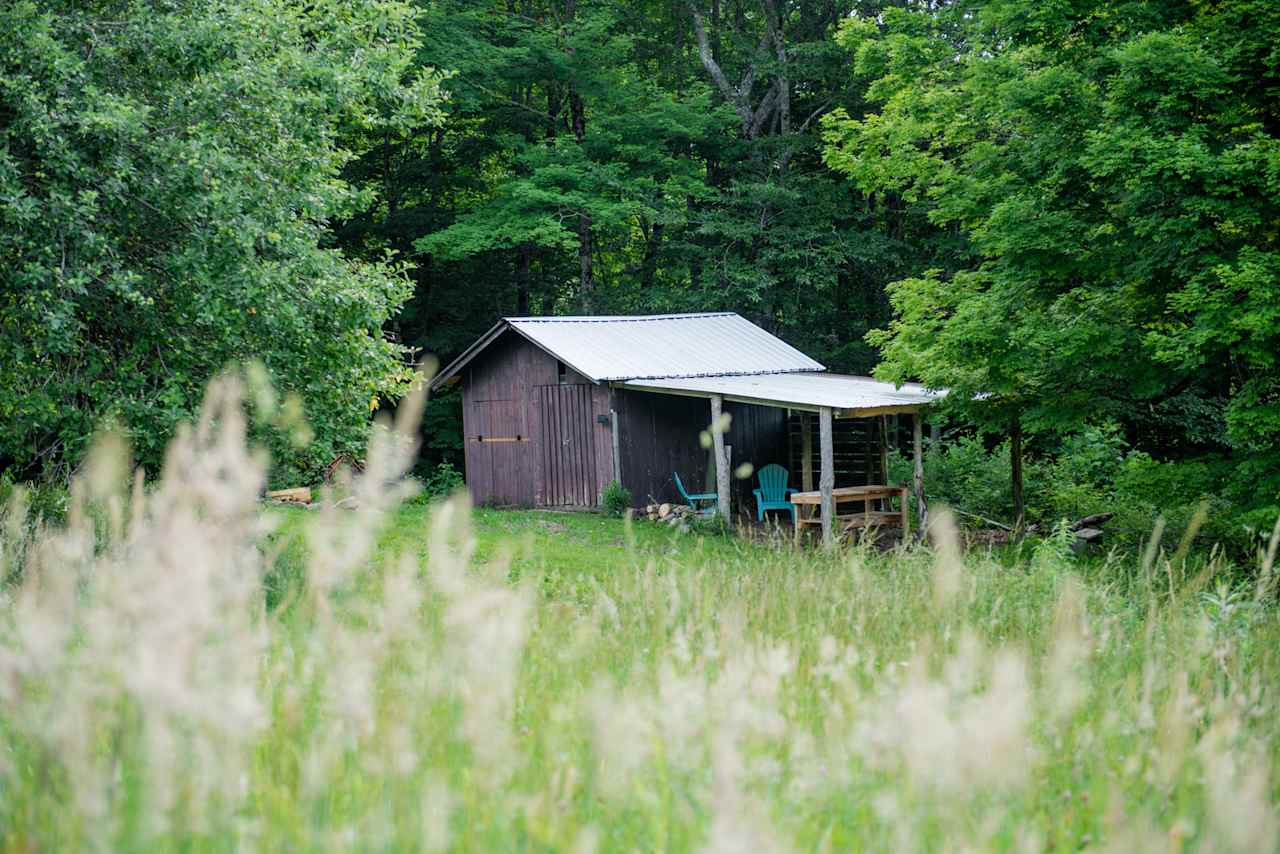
(658, 435)
(517, 413)
(569, 472)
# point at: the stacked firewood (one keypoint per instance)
(672, 514)
(1088, 531)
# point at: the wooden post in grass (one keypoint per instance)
(827, 475)
(1015, 466)
(722, 460)
(917, 442)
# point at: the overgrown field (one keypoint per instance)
(435, 679)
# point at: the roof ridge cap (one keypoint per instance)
(620, 318)
(700, 376)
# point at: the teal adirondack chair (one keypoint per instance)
(773, 493)
(694, 498)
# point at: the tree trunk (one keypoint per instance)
(773, 22)
(715, 29)
(389, 190)
(553, 112)
(586, 277)
(523, 261)
(1015, 466)
(650, 264)
(586, 281)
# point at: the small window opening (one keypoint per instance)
(562, 373)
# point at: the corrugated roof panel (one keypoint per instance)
(669, 345)
(800, 390)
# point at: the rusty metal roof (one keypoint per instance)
(849, 396)
(662, 346)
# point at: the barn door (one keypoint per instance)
(568, 446)
(499, 467)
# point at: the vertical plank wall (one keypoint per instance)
(856, 446)
(513, 393)
(569, 475)
(658, 435)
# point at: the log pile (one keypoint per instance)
(1088, 531)
(301, 496)
(671, 514)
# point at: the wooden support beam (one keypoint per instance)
(884, 448)
(827, 477)
(871, 437)
(917, 441)
(722, 459)
(806, 453)
(617, 451)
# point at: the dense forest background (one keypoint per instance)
(1071, 208)
(639, 158)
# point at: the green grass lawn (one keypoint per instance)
(567, 544)
(440, 678)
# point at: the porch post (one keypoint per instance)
(884, 448)
(917, 441)
(722, 461)
(806, 453)
(827, 476)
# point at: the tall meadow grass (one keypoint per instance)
(925, 699)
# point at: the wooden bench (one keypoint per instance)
(809, 508)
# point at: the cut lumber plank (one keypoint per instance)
(295, 495)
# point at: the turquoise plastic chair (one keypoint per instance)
(773, 493)
(692, 499)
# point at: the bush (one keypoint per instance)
(1093, 471)
(616, 499)
(156, 228)
(1077, 480)
(1147, 489)
(443, 480)
(965, 475)
(44, 502)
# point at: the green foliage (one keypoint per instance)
(1176, 491)
(1116, 170)
(616, 499)
(42, 502)
(167, 174)
(587, 160)
(964, 474)
(1094, 471)
(443, 480)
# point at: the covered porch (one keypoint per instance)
(831, 398)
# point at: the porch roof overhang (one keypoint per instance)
(847, 396)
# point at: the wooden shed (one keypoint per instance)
(554, 408)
